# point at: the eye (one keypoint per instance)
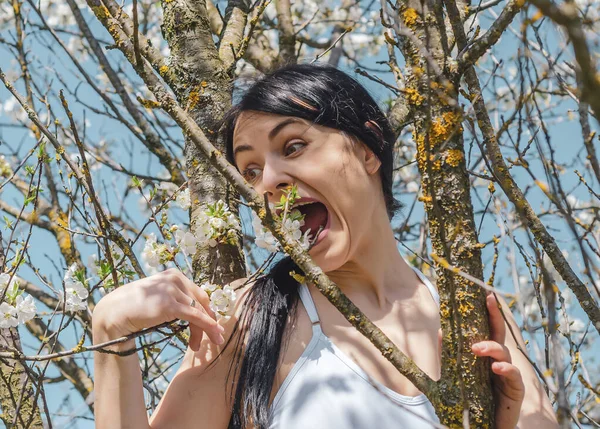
(292, 145)
(248, 177)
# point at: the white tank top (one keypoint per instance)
(327, 390)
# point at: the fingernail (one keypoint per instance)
(220, 329)
(220, 340)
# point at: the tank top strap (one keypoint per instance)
(430, 286)
(309, 304)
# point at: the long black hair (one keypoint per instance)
(325, 96)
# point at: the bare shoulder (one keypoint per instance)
(197, 394)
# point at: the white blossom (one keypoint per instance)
(222, 299)
(8, 316)
(150, 254)
(292, 227)
(222, 302)
(183, 199)
(76, 297)
(216, 222)
(4, 278)
(209, 287)
(577, 325)
(25, 308)
(75, 290)
(186, 241)
(57, 13)
(264, 237)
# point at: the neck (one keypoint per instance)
(376, 270)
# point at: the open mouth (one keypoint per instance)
(316, 218)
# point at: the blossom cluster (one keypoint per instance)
(76, 293)
(264, 237)
(216, 224)
(222, 299)
(15, 309)
(155, 253)
(291, 224)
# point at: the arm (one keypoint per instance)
(146, 302)
(119, 396)
(198, 396)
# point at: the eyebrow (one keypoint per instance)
(272, 134)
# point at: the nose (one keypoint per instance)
(274, 180)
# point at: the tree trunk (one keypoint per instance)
(431, 95)
(204, 88)
(17, 395)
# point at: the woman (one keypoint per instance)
(305, 365)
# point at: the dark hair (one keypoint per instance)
(325, 96)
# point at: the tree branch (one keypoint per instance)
(567, 16)
(469, 55)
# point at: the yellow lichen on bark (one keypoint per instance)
(413, 96)
(442, 128)
(101, 12)
(453, 157)
(63, 236)
(194, 98)
(411, 17)
(298, 277)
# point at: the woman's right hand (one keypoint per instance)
(157, 299)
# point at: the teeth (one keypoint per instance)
(304, 203)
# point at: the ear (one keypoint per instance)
(372, 163)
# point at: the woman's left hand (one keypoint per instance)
(507, 380)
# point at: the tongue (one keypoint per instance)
(316, 215)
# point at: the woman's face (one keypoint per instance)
(273, 151)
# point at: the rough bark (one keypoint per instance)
(206, 93)
(432, 98)
(17, 393)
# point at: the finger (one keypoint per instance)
(194, 292)
(196, 335)
(513, 387)
(497, 324)
(440, 339)
(198, 317)
(492, 349)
